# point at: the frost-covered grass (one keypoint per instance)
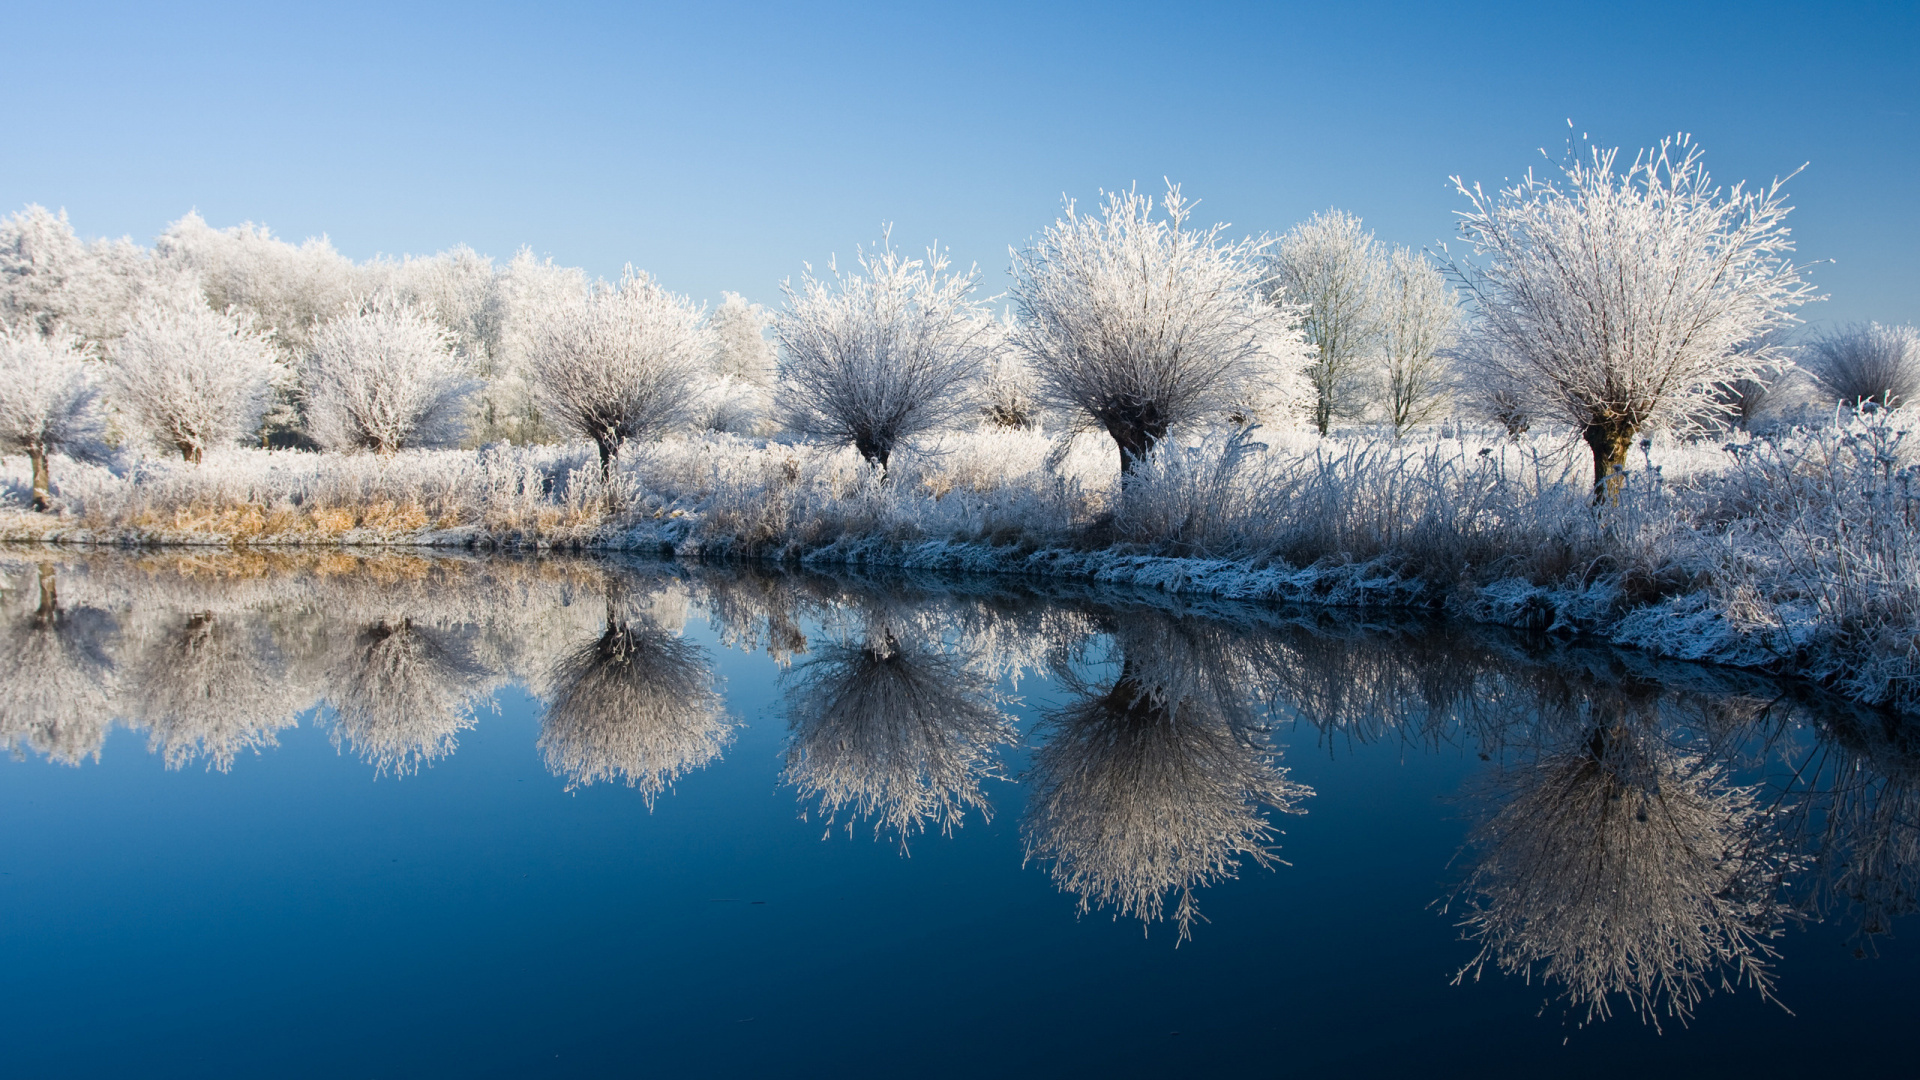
(1792, 553)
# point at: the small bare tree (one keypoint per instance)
(1330, 266)
(881, 354)
(1867, 364)
(384, 377)
(618, 362)
(187, 377)
(1619, 300)
(49, 401)
(1141, 323)
(1418, 315)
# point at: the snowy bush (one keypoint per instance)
(1866, 364)
(1618, 301)
(384, 377)
(186, 377)
(49, 401)
(884, 353)
(618, 362)
(1142, 323)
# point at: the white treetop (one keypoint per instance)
(50, 278)
(384, 377)
(49, 400)
(1621, 296)
(1141, 323)
(187, 377)
(1330, 266)
(880, 354)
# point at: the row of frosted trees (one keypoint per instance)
(1612, 298)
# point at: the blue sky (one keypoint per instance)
(720, 145)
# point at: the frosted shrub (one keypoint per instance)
(1866, 364)
(385, 377)
(1618, 301)
(1141, 323)
(883, 353)
(187, 377)
(49, 401)
(618, 362)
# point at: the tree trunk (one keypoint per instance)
(41, 481)
(189, 453)
(609, 449)
(1135, 431)
(1610, 443)
(49, 595)
(875, 449)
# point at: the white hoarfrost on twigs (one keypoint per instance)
(49, 401)
(1617, 299)
(617, 362)
(1140, 323)
(881, 354)
(384, 377)
(186, 377)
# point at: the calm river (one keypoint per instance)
(341, 815)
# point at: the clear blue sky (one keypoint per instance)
(720, 145)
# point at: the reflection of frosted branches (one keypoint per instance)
(55, 688)
(1152, 786)
(1860, 815)
(1627, 867)
(893, 730)
(207, 687)
(401, 694)
(637, 704)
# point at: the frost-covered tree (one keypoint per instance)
(1009, 395)
(740, 367)
(1620, 297)
(529, 291)
(383, 376)
(878, 355)
(1139, 323)
(49, 401)
(1866, 364)
(187, 377)
(1330, 266)
(1418, 315)
(618, 362)
(894, 729)
(49, 277)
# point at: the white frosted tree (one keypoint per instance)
(1619, 297)
(1139, 323)
(740, 366)
(1866, 364)
(529, 290)
(1418, 318)
(618, 362)
(49, 401)
(876, 356)
(187, 377)
(49, 277)
(383, 377)
(1330, 266)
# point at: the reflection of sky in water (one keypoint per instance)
(435, 872)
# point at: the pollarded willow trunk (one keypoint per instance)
(877, 449)
(1609, 443)
(42, 483)
(189, 452)
(1136, 429)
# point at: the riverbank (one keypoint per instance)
(1794, 554)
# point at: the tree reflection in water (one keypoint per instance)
(891, 727)
(1152, 785)
(401, 693)
(638, 704)
(210, 684)
(56, 688)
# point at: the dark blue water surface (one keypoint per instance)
(314, 817)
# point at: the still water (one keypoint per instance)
(399, 816)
